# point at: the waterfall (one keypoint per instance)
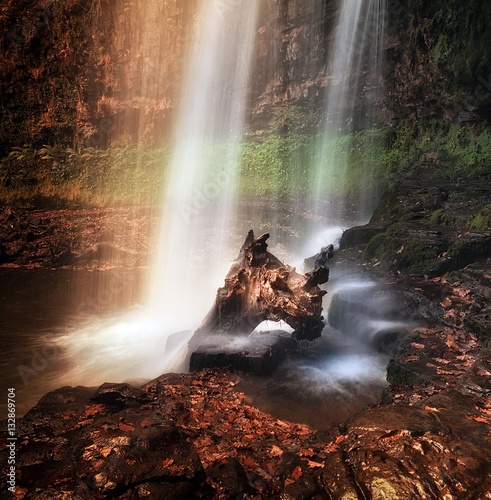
(354, 84)
(192, 251)
(192, 248)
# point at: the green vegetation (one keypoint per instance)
(275, 165)
(55, 176)
(345, 166)
(462, 37)
(450, 151)
(481, 221)
(457, 35)
(441, 217)
(366, 161)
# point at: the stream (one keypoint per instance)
(38, 307)
(85, 327)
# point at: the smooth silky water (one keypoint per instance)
(141, 332)
(89, 327)
(337, 375)
(192, 249)
(355, 84)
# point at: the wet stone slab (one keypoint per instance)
(259, 354)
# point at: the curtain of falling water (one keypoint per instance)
(355, 83)
(192, 253)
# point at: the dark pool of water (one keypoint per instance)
(36, 307)
(330, 381)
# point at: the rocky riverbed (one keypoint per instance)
(194, 436)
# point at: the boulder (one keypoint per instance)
(258, 354)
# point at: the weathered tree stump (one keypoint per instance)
(260, 287)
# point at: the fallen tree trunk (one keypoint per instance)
(260, 287)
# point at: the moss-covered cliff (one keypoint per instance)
(439, 60)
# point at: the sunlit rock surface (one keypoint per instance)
(183, 436)
(77, 238)
(188, 436)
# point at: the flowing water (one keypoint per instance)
(330, 380)
(40, 307)
(193, 250)
(335, 376)
(355, 84)
(88, 327)
(203, 225)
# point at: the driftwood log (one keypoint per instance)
(260, 287)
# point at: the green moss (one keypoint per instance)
(481, 221)
(410, 255)
(423, 254)
(349, 166)
(441, 217)
(439, 149)
(391, 209)
(459, 37)
(468, 249)
(380, 247)
(359, 235)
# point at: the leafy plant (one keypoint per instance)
(118, 175)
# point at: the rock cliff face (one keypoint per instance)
(291, 58)
(88, 73)
(92, 73)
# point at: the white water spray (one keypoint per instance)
(192, 251)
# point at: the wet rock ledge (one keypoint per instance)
(93, 238)
(193, 436)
